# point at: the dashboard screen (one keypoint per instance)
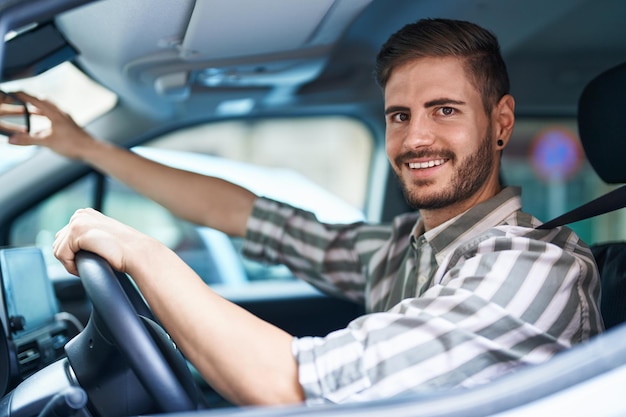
(28, 292)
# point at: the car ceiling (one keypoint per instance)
(198, 57)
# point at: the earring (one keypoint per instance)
(500, 142)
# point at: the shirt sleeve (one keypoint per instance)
(330, 257)
(505, 302)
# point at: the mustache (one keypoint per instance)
(425, 153)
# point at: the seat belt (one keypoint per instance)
(610, 201)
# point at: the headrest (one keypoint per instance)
(602, 124)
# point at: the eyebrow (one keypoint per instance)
(443, 101)
(428, 104)
(394, 109)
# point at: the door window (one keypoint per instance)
(320, 164)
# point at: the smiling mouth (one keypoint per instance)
(427, 164)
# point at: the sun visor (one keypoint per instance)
(250, 29)
(269, 43)
(35, 50)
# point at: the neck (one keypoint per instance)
(435, 217)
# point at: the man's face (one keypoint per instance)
(439, 139)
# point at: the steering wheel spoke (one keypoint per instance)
(116, 331)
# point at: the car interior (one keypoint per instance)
(279, 96)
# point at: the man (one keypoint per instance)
(459, 292)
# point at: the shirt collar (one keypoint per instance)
(470, 223)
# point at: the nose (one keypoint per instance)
(419, 133)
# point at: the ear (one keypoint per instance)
(503, 118)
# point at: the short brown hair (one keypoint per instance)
(449, 38)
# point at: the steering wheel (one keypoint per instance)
(115, 330)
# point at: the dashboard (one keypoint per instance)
(33, 335)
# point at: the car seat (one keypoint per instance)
(602, 130)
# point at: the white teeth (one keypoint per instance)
(429, 164)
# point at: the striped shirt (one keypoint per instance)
(456, 306)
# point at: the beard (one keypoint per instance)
(469, 176)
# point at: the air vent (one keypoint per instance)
(28, 358)
(37, 350)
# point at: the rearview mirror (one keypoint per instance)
(14, 115)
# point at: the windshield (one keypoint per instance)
(68, 87)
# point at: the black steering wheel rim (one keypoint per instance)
(130, 335)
